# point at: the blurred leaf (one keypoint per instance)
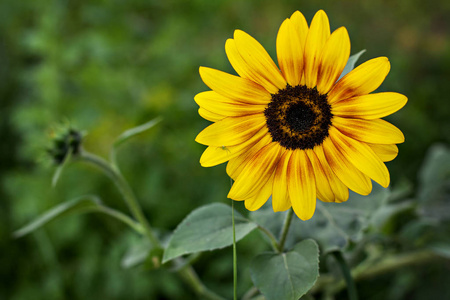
(351, 63)
(286, 275)
(442, 249)
(206, 228)
(386, 213)
(79, 205)
(136, 254)
(434, 187)
(333, 224)
(142, 252)
(135, 131)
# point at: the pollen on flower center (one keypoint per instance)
(298, 117)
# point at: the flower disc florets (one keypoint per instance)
(298, 117)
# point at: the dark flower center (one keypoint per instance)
(298, 117)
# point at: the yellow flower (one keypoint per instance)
(296, 132)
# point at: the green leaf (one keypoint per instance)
(135, 131)
(136, 254)
(206, 228)
(333, 224)
(286, 275)
(77, 205)
(83, 204)
(351, 63)
(385, 216)
(142, 252)
(441, 248)
(434, 187)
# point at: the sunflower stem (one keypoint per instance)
(187, 273)
(273, 240)
(190, 277)
(125, 190)
(351, 287)
(234, 253)
(285, 230)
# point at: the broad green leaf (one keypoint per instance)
(206, 228)
(135, 131)
(333, 224)
(351, 63)
(434, 184)
(289, 275)
(78, 205)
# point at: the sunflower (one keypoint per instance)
(297, 132)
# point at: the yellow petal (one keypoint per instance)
(290, 53)
(362, 80)
(258, 65)
(231, 130)
(220, 105)
(324, 191)
(255, 202)
(300, 26)
(385, 152)
(214, 155)
(318, 34)
(301, 185)
(256, 173)
(237, 164)
(369, 107)
(339, 189)
(361, 156)
(280, 196)
(210, 116)
(370, 131)
(333, 59)
(345, 170)
(234, 87)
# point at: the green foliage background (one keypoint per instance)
(106, 66)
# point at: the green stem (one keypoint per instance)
(253, 291)
(187, 273)
(234, 253)
(271, 237)
(122, 217)
(285, 230)
(126, 191)
(351, 287)
(384, 266)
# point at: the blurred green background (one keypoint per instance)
(106, 66)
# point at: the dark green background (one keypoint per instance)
(107, 66)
